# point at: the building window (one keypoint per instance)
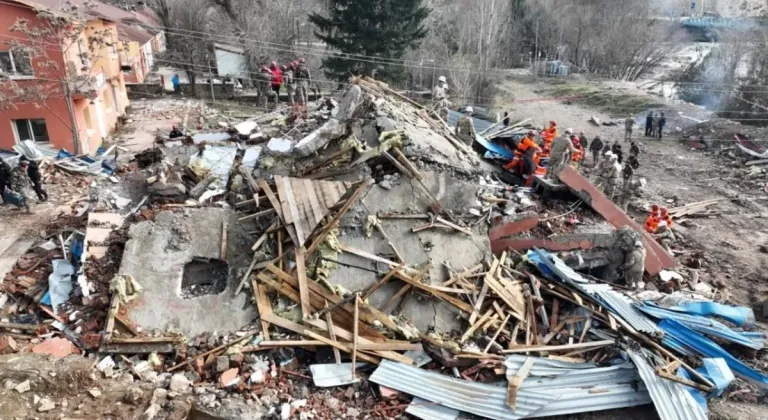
(15, 64)
(34, 130)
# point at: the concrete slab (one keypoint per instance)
(12, 249)
(657, 258)
(155, 255)
(523, 223)
(436, 245)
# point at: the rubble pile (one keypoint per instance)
(359, 261)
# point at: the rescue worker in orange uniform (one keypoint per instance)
(652, 222)
(665, 217)
(524, 162)
(578, 154)
(549, 135)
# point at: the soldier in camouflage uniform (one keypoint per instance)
(626, 255)
(465, 128)
(290, 82)
(263, 79)
(303, 79)
(20, 182)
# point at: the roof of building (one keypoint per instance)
(100, 10)
(129, 32)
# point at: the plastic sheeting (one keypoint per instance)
(739, 315)
(60, 282)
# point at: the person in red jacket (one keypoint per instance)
(277, 80)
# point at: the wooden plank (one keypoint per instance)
(478, 303)
(516, 382)
(299, 200)
(278, 208)
(292, 209)
(332, 334)
(387, 345)
(525, 349)
(471, 330)
(266, 212)
(496, 335)
(355, 335)
(458, 303)
(212, 351)
(318, 211)
(126, 324)
(347, 335)
(223, 250)
(263, 237)
(264, 307)
(282, 195)
(290, 343)
(379, 283)
(301, 273)
(335, 220)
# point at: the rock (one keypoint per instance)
(298, 403)
(46, 405)
(133, 396)
(285, 411)
(159, 394)
(332, 403)
(23, 387)
(207, 400)
(222, 364)
(179, 383)
(257, 377)
(349, 393)
(151, 412)
(7, 345)
(172, 395)
(35, 399)
(179, 410)
(95, 393)
(353, 412)
(200, 390)
(57, 347)
(386, 184)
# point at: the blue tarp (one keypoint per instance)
(703, 325)
(687, 341)
(739, 315)
(480, 125)
(494, 148)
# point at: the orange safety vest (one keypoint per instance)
(652, 223)
(578, 154)
(667, 218)
(525, 144)
(549, 134)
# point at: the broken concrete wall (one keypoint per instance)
(156, 254)
(437, 246)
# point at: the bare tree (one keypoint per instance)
(186, 23)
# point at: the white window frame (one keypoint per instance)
(29, 127)
(14, 75)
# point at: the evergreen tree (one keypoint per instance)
(384, 29)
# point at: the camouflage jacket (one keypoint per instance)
(19, 179)
(288, 77)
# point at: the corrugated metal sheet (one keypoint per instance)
(703, 325)
(426, 410)
(480, 399)
(544, 375)
(621, 305)
(672, 400)
(606, 397)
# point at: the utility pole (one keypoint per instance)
(210, 78)
(536, 48)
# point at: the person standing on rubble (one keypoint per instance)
(616, 150)
(277, 81)
(20, 183)
(634, 149)
(262, 80)
(440, 98)
(505, 121)
(596, 147)
(561, 153)
(649, 124)
(289, 81)
(662, 123)
(5, 177)
(550, 134)
(578, 154)
(465, 128)
(629, 124)
(37, 181)
(583, 141)
(609, 173)
(632, 187)
(304, 78)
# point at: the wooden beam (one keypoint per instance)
(496, 335)
(126, 324)
(223, 250)
(246, 275)
(471, 330)
(379, 283)
(256, 215)
(277, 208)
(515, 382)
(389, 345)
(332, 334)
(212, 351)
(301, 274)
(114, 306)
(525, 349)
(319, 238)
(460, 304)
(355, 335)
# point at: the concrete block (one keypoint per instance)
(522, 223)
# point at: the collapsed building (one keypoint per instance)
(365, 233)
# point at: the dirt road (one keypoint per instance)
(724, 249)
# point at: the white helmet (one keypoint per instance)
(568, 131)
(441, 79)
(469, 110)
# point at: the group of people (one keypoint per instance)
(295, 76)
(654, 124)
(15, 183)
(659, 224)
